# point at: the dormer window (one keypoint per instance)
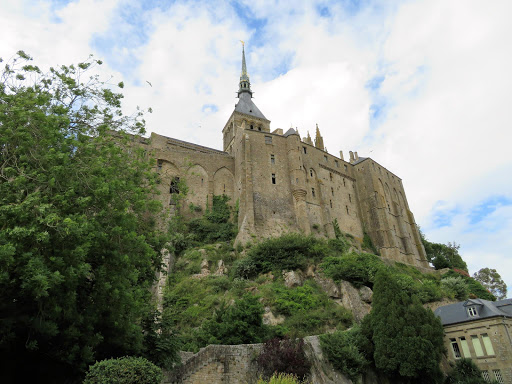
(472, 312)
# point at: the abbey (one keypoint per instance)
(283, 183)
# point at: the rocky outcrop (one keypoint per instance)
(293, 278)
(205, 270)
(221, 269)
(270, 319)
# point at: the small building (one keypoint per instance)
(480, 330)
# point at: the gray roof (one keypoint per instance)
(458, 313)
(289, 132)
(246, 105)
(361, 159)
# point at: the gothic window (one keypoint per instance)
(455, 348)
(268, 139)
(313, 192)
(272, 159)
(273, 178)
(175, 189)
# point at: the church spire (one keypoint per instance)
(245, 84)
(319, 140)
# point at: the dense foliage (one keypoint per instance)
(474, 287)
(466, 372)
(358, 268)
(124, 370)
(406, 340)
(78, 242)
(281, 378)
(284, 356)
(443, 255)
(344, 351)
(492, 281)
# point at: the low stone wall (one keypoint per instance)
(233, 364)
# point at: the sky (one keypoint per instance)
(422, 87)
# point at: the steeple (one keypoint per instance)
(245, 84)
(319, 140)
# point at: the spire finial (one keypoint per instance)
(245, 84)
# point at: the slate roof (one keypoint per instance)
(458, 313)
(289, 132)
(246, 105)
(360, 160)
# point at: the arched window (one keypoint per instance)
(175, 189)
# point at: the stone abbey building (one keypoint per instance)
(283, 183)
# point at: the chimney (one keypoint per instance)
(356, 155)
(341, 155)
(351, 156)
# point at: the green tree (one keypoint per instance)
(492, 280)
(78, 242)
(443, 255)
(406, 340)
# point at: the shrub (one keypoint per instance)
(281, 378)
(473, 286)
(161, 344)
(456, 286)
(124, 370)
(465, 372)
(242, 323)
(284, 356)
(343, 351)
(288, 252)
(244, 268)
(359, 269)
(368, 244)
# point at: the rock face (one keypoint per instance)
(366, 294)
(270, 319)
(352, 300)
(328, 286)
(293, 279)
(221, 269)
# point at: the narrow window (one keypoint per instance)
(174, 185)
(488, 345)
(330, 176)
(202, 181)
(304, 149)
(344, 183)
(272, 159)
(252, 127)
(345, 167)
(273, 178)
(159, 165)
(332, 191)
(224, 188)
(268, 139)
(330, 202)
(313, 192)
(389, 209)
(297, 180)
(337, 163)
(497, 375)
(311, 172)
(472, 312)
(325, 158)
(349, 197)
(346, 207)
(455, 348)
(465, 348)
(477, 346)
(485, 376)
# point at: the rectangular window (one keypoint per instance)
(345, 167)
(273, 178)
(465, 348)
(330, 202)
(313, 192)
(455, 348)
(488, 344)
(497, 376)
(332, 191)
(272, 159)
(344, 183)
(330, 176)
(304, 149)
(346, 207)
(472, 312)
(349, 197)
(268, 139)
(325, 158)
(337, 163)
(485, 376)
(477, 346)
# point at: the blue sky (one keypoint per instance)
(421, 86)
